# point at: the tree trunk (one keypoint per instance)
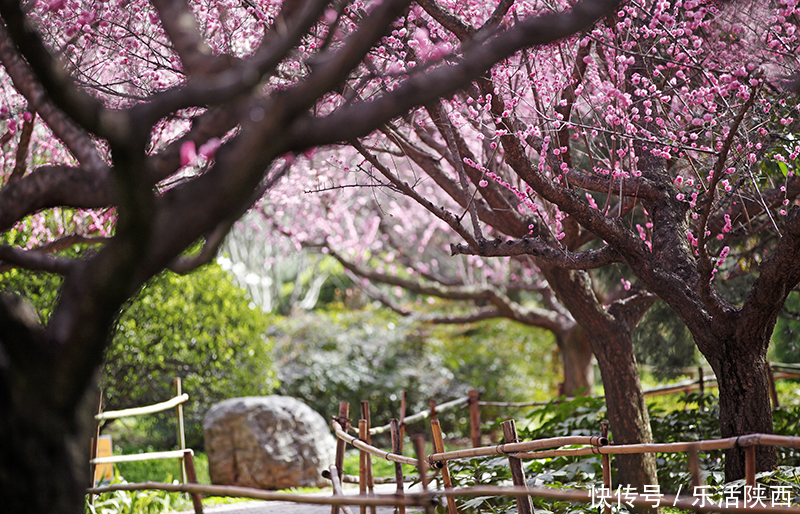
(627, 412)
(44, 454)
(610, 338)
(576, 356)
(744, 402)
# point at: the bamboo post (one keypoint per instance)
(370, 478)
(524, 504)
(191, 475)
(606, 459)
(343, 420)
(773, 393)
(438, 447)
(750, 466)
(475, 418)
(702, 382)
(362, 463)
(181, 435)
(95, 448)
(397, 448)
(402, 419)
(422, 467)
(336, 483)
(694, 466)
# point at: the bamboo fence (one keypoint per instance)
(184, 455)
(513, 449)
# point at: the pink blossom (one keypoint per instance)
(188, 153)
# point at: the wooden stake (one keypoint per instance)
(773, 393)
(403, 406)
(475, 418)
(750, 466)
(606, 466)
(95, 448)
(337, 487)
(362, 462)
(438, 447)
(191, 475)
(344, 421)
(370, 478)
(524, 504)
(694, 466)
(398, 468)
(181, 433)
(422, 467)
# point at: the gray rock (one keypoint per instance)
(268, 442)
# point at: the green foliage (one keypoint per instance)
(149, 470)
(330, 356)
(695, 418)
(785, 336)
(333, 355)
(199, 327)
(505, 360)
(662, 341)
(137, 502)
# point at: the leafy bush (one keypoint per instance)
(137, 502)
(696, 418)
(200, 327)
(330, 356)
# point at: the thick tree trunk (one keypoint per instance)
(44, 453)
(627, 412)
(610, 339)
(576, 356)
(744, 402)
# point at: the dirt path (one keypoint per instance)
(264, 507)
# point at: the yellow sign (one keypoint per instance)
(103, 471)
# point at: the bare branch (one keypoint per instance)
(35, 260)
(535, 247)
(22, 148)
(440, 212)
(182, 29)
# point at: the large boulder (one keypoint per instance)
(268, 442)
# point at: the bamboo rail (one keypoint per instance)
(713, 444)
(509, 448)
(138, 411)
(135, 457)
(452, 404)
(390, 500)
(361, 445)
(428, 498)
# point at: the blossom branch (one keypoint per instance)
(706, 267)
(74, 137)
(181, 27)
(440, 212)
(86, 111)
(347, 124)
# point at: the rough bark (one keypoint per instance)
(612, 344)
(576, 355)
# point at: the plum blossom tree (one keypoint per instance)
(661, 140)
(168, 120)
